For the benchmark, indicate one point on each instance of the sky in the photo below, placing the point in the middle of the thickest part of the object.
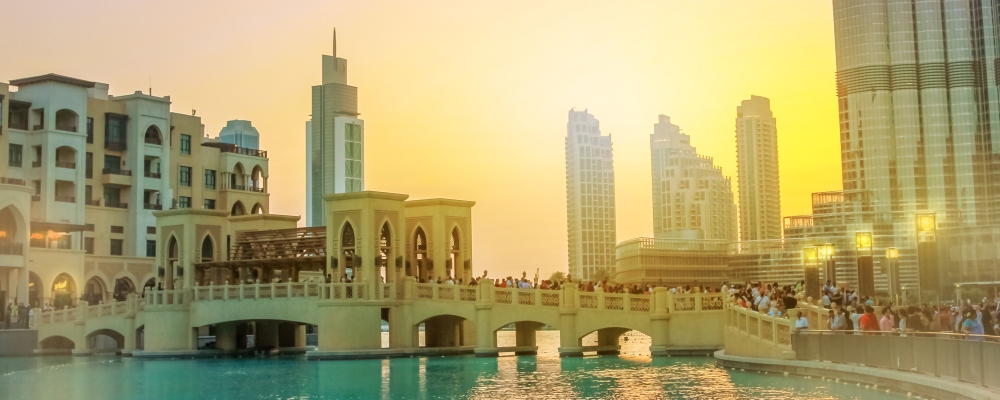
(469, 100)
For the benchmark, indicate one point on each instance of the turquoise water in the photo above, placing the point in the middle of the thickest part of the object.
(634, 375)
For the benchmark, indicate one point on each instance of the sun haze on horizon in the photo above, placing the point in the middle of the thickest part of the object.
(469, 100)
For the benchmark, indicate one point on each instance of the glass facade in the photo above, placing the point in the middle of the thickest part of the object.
(757, 170)
(590, 197)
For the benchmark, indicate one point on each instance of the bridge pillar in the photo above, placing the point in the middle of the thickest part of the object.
(401, 336)
(348, 330)
(569, 342)
(265, 334)
(659, 318)
(129, 335)
(525, 332)
(607, 341)
(80, 325)
(168, 330)
(486, 339)
(225, 336)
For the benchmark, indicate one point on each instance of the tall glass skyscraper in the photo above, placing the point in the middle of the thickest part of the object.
(241, 133)
(590, 197)
(334, 139)
(757, 164)
(691, 197)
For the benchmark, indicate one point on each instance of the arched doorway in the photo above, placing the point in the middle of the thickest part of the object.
(238, 178)
(63, 292)
(123, 287)
(12, 232)
(207, 250)
(67, 120)
(36, 291)
(94, 292)
(385, 252)
(349, 258)
(238, 209)
(257, 179)
(424, 266)
(149, 285)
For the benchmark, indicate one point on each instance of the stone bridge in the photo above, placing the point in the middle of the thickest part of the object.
(349, 316)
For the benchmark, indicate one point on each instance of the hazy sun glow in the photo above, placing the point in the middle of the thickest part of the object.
(466, 99)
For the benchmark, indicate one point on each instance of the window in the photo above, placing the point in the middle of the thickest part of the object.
(115, 131)
(184, 202)
(150, 248)
(150, 230)
(112, 164)
(209, 204)
(117, 229)
(209, 179)
(185, 176)
(90, 165)
(15, 155)
(90, 130)
(88, 245)
(89, 195)
(185, 144)
(112, 196)
(116, 246)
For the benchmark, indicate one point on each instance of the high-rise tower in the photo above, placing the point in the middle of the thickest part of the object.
(590, 197)
(334, 139)
(757, 170)
(691, 197)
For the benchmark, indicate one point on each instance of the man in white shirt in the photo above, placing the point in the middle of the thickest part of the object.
(802, 323)
(449, 282)
(826, 300)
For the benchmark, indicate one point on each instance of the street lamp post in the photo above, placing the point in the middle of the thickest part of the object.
(892, 259)
(927, 262)
(826, 253)
(810, 265)
(866, 273)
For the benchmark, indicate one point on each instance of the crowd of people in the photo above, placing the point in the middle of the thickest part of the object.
(16, 316)
(847, 311)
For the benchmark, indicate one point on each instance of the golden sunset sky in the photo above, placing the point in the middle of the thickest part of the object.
(468, 99)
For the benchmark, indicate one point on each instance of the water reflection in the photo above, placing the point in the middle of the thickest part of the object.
(634, 375)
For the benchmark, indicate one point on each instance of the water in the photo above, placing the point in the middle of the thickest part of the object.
(633, 375)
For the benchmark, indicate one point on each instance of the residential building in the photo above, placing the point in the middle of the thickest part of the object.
(691, 197)
(590, 197)
(97, 167)
(673, 262)
(757, 170)
(334, 139)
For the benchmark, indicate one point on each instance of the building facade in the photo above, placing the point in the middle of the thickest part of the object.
(97, 167)
(691, 197)
(590, 197)
(335, 139)
(673, 262)
(757, 175)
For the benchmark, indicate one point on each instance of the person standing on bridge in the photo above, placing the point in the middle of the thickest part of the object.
(869, 322)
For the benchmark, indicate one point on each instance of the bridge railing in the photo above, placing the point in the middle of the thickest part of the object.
(768, 330)
(434, 291)
(85, 311)
(282, 290)
(175, 297)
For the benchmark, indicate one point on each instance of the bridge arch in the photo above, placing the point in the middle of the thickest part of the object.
(542, 319)
(447, 330)
(95, 341)
(56, 342)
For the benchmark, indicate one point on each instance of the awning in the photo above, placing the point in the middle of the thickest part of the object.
(59, 227)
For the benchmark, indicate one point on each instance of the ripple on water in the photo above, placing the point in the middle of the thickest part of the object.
(634, 375)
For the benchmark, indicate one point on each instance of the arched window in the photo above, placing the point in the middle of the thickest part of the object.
(238, 209)
(385, 250)
(67, 120)
(420, 255)
(347, 247)
(257, 209)
(66, 157)
(257, 179)
(207, 250)
(153, 135)
(238, 178)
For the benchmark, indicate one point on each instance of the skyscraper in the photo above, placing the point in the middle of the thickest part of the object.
(241, 133)
(757, 170)
(334, 139)
(691, 197)
(590, 197)
(917, 90)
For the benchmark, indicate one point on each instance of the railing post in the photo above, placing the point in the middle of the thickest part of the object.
(600, 297)
(697, 301)
(211, 290)
(273, 293)
(81, 312)
(288, 290)
(240, 288)
(256, 290)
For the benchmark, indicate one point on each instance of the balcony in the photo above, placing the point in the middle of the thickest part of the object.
(66, 164)
(238, 187)
(116, 205)
(38, 127)
(11, 181)
(154, 140)
(36, 164)
(94, 203)
(147, 206)
(117, 171)
(11, 249)
(155, 175)
(232, 148)
(116, 146)
(66, 199)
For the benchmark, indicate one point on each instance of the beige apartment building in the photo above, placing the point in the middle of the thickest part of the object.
(94, 167)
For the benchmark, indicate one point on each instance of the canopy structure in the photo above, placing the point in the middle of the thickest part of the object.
(268, 254)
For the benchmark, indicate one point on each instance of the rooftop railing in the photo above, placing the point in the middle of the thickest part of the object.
(117, 171)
